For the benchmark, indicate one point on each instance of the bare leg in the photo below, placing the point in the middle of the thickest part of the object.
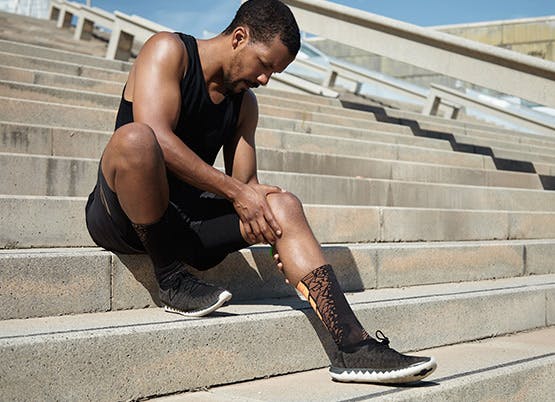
(305, 267)
(134, 168)
(299, 250)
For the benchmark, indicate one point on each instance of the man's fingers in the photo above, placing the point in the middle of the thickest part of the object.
(250, 233)
(266, 232)
(269, 216)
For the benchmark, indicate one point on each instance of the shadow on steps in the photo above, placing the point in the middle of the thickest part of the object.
(548, 182)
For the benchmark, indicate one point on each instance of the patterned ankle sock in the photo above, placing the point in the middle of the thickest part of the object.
(322, 290)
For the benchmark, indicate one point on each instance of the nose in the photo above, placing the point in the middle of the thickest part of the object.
(264, 78)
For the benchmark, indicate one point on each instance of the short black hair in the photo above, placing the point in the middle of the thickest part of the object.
(265, 20)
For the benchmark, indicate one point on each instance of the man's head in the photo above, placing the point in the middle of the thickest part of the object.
(264, 38)
(265, 20)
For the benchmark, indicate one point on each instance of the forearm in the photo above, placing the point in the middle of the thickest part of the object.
(190, 168)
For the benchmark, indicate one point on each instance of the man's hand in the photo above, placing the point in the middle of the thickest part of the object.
(254, 211)
(279, 265)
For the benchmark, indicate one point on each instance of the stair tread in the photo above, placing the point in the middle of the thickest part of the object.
(458, 365)
(131, 320)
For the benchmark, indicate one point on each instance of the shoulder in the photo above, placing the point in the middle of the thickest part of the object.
(165, 49)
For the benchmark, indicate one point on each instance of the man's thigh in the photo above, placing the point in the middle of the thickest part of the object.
(215, 228)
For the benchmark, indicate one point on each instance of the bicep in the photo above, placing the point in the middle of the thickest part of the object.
(156, 94)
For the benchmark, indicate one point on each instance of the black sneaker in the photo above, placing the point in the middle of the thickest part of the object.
(184, 294)
(374, 361)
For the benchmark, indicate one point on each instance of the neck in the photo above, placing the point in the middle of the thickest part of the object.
(211, 53)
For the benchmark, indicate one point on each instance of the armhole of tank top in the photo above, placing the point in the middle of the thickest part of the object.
(183, 37)
(123, 95)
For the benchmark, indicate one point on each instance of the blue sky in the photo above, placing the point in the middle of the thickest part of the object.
(196, 16)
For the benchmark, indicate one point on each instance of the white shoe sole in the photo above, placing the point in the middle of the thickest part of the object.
(407, 375)
(222, 298)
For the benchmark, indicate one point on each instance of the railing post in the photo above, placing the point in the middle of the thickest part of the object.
(119, 47)
(64, 18)
(432, 104)
(455, 112)
(54, 13)
(84, 29)
(358, 87)
(331, 77)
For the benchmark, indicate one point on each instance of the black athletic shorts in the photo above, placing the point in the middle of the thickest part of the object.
(207, 225)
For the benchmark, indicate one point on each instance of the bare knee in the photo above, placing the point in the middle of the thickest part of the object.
(286, 207)
(134, 145)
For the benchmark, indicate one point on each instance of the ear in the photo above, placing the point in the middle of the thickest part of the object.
(239, 37)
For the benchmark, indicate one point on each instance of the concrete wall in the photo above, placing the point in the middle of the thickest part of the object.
(533, 36)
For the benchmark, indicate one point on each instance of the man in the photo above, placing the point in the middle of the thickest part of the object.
(158, 193)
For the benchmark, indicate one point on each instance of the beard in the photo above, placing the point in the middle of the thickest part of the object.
(236, 86)
(233, 85)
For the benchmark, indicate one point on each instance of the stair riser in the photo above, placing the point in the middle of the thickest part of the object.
(523, 139)
(309, 127)
(174, 356)
(43, 283)
(59, 80)
(53, 66)
(56, 115)
(324, 126)
(58, 55)
(53, 114)
(21, 138)
(59, 222)
(76, 178)
(306, 122)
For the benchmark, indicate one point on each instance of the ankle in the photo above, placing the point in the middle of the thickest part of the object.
(165, 274)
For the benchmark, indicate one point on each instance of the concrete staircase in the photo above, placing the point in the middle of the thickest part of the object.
(435, 246)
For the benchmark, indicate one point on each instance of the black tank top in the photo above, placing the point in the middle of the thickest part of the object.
(203, 125)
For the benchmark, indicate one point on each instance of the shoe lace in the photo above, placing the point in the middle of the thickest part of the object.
(384, 340)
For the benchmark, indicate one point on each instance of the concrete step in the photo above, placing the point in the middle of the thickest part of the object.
(48, 282)
(176, 354)
(322, 100)
(42, 221)
(403, 114)
(490, 138)
(332, 156)
(291, 119)
(66, 81)
(517, 148)
(390, 135)
(309, 104)
(276, 118)
(59, 67)
(75, 177)
(282, 107)
(59, 95)
(521, 368)
(62, 55)
(302, 124)
(85, 143)
(68, 78)
(78, 117)
(515, 140)
(43, 32)
(513, 136)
